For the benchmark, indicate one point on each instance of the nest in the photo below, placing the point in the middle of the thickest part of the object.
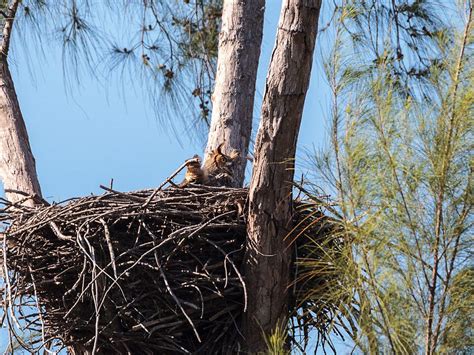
(139, 272)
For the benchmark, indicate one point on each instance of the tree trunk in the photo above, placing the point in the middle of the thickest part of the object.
(233, 98)
(270, 198)
(17, 165)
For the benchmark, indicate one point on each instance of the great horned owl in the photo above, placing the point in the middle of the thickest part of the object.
(218, 168)
(194, 173)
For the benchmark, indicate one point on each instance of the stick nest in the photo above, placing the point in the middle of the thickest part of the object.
(139, 272)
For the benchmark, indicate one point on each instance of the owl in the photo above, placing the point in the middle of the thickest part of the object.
(194, 173)
(218, 168)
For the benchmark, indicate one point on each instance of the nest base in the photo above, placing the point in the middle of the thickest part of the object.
(140, 272)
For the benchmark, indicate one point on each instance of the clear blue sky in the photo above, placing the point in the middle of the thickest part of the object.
(83, 138)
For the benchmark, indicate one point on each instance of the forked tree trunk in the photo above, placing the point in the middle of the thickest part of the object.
(17, 165)
(269, 220)
(233, 97)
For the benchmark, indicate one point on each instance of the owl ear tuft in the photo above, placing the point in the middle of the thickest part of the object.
(234, 154)
(219, 147)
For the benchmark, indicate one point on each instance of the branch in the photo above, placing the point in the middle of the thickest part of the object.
(8, 28)
(168, 180)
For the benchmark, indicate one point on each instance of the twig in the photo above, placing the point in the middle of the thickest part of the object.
(109, 245)
(169, 180)
(57, 232)
(169, 288)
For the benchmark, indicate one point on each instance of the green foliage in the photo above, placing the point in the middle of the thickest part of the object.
(399, 34)
(460, 315)
(400, 164)
(277, 341)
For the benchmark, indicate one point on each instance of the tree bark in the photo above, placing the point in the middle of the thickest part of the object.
(17, 164)
(233, 98)
(270, 196)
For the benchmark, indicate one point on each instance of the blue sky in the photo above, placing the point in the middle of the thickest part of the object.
(96, 131)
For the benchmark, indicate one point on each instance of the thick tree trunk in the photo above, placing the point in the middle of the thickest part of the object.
(270, 199)
(17, 165)
(233, 98)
